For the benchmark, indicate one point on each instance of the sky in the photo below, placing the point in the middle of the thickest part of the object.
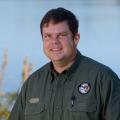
(20, 34)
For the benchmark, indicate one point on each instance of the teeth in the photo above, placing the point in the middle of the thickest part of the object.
(55, 49)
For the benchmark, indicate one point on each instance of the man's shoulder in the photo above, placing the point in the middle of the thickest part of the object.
(95, 69)
(94, 65)
(41, 72)
(45, 67)
(36, 79)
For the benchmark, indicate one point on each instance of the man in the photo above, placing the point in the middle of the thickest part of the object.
(71, 86)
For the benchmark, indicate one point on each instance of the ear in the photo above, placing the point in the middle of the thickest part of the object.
(77, 38)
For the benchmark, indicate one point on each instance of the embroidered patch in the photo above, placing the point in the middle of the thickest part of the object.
(34, 100)
(84, 88)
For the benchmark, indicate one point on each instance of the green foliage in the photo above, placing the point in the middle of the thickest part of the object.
(6, 103)
(4, 113)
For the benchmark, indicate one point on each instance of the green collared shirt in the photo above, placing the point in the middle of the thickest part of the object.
(88, 90)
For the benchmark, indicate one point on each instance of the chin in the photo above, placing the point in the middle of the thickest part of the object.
(56, 59)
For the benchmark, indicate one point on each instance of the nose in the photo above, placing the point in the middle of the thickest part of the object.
(55, 40)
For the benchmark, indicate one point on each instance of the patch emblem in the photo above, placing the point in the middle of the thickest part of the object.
(34, 100)
(84, 88)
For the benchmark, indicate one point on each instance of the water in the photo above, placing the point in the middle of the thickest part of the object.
(19, 29)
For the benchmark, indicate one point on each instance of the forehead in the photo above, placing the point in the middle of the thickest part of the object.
(56, 28)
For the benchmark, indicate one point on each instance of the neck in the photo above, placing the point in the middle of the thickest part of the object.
(61, 66)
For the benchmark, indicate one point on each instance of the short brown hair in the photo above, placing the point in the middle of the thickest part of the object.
(59, 15)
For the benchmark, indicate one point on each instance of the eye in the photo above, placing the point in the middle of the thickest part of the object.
(62, 35)
(46, 36)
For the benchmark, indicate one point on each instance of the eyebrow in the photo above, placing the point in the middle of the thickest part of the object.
(49, 33)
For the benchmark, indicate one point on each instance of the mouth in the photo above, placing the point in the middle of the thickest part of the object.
(56, 50)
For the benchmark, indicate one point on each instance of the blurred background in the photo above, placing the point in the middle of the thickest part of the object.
(21, 45)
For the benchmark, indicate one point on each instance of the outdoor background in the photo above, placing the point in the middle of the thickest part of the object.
(20, 40)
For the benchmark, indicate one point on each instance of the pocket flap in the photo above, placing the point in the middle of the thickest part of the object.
(83, 107)
(34, 109)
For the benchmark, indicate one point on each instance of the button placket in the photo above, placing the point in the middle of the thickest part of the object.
(58, 99)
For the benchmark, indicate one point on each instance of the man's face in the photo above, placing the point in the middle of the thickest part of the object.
(58, 42)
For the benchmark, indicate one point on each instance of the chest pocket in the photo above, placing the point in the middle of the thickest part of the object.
(35, 111)
(81, 111)
(82, 107)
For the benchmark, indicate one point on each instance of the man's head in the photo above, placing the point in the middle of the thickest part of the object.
(59, 28)
(59, 15)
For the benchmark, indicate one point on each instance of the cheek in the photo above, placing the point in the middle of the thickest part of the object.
(46, 51)
(45, 45)
(68, 44)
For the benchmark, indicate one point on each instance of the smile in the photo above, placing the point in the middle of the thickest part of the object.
(56, 50)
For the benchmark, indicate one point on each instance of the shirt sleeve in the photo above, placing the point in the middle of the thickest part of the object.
(17, 112)
(110, 95)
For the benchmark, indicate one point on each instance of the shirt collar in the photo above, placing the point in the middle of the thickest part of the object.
(69, 71)
(75, 65)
